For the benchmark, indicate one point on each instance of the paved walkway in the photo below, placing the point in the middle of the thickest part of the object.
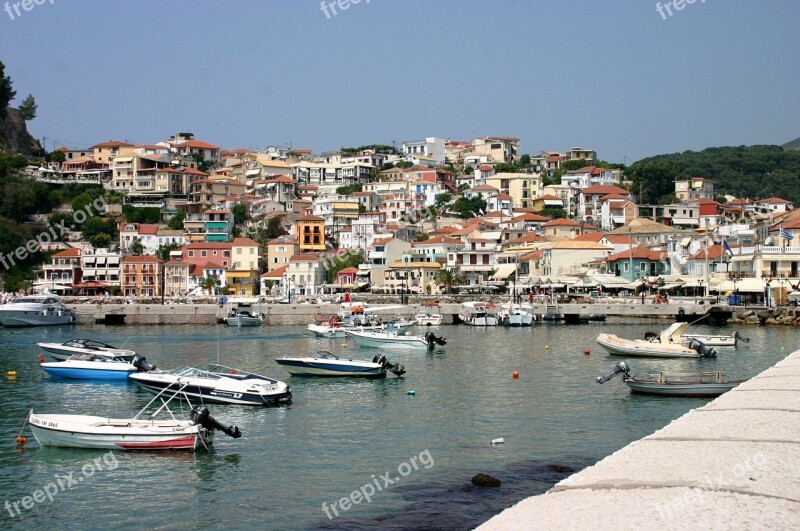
(732, 464)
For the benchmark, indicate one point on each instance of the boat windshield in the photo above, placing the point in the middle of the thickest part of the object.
(35, 300)
(196, 372)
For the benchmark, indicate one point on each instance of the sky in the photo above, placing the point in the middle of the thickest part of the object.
(615, 76)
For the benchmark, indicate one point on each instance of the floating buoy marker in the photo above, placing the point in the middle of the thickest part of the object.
(344, 345)
(21, 440)
(587, 351)
(498, 441)
(515, 374)
(12, 373)
(412, 393)
(546, 347)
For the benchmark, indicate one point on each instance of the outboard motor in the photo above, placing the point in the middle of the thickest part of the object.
(432, 340)
(140, 362)
(394, 368)
(620, 367)
(701, 349)
(201, 416)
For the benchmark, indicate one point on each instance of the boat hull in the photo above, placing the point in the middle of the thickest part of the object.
(84, 431)
(374, 340)
(680, 389)
(321, 367)
(478, 321)
(155, 383)
(27, 318)
(83, 373)
(617, 346)
(242, 321)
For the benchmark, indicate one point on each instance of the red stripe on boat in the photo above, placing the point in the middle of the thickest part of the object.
(175, 444)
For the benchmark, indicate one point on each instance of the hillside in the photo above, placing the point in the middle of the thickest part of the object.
(746, 171)
(14, 136)
(793, 145)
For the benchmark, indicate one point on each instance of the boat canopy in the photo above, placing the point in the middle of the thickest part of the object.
(673, 333)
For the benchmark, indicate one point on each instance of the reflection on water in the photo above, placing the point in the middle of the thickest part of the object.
(338, 433)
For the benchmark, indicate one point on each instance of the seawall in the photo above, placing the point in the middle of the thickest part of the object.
(731, 464)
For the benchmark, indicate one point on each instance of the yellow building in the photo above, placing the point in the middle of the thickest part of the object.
(522, 187)
(104, 152)
(310, 232)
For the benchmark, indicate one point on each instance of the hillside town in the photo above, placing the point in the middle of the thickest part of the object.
(425, 217)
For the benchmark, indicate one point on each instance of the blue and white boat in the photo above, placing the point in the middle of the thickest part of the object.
(62, 351)
(95, 367)
(326, 364)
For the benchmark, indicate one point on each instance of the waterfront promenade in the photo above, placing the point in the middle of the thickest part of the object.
(732, 464)
(291, 314)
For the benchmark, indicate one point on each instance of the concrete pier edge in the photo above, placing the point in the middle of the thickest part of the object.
(733, 463)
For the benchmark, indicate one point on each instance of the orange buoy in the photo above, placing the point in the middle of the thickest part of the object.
(515, 374)
(41, 358)
(21, 440)
(587, 351)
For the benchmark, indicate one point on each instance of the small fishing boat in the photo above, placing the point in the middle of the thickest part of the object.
(389, 338)
(716, 340)
(218, 384)
(666, 345)
(696, 384)
(242, 313)
(62, 351)
(141, 432)
(94, 367)
(354, 318)
(326, 364)
(36, 310)
(243, 318)
(515, 315)
(478, 314)
(429, 314)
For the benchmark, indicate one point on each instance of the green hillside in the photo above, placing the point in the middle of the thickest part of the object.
(793, 145)
(746, 171)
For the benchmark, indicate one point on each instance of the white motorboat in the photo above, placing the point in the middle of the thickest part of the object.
(515, 315)
(94, 367)
(716, 340)
(389, 338)
(141, 432)
(36, 310)
(243, 318)
(696, 384)
(62, 351)
(326, 364)
(354, 318)
(666, 345)
(478, 314)
(244, 313)
(429, 314)
(218, 384)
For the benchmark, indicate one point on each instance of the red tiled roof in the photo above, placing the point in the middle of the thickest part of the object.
(530, 217)
(245, 242)
(112, 143)
(444, 240)
(348, 270)
(199, 144)
(68, 252)
(605, 189)
(141, 259)
(637, 252)
(562, 222)
(310, 217)
(275, 273)
(304, 258)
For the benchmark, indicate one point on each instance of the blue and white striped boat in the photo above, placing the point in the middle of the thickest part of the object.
(94, 367)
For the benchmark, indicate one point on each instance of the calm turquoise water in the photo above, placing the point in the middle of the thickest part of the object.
(338, 434)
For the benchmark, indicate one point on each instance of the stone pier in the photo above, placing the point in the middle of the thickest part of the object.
(731, 464)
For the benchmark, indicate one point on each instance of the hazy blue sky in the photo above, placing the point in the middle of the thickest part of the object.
(614, 76)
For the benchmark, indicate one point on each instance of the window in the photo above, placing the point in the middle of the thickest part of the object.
(203, 253)
(191, 254)
(643, 266)
(625, 266)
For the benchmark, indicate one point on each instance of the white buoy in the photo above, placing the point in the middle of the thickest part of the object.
(498, 441)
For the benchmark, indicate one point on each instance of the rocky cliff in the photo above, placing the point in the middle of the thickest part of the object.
(14, 136)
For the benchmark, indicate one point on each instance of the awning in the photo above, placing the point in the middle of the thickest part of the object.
(745, 285)
(363, 273)
(586, 282)
(671, 285)
(635, 284)
(503, 272)
(686, 241)
(685, 221)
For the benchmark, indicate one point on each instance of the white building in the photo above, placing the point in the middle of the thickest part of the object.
(430, 147)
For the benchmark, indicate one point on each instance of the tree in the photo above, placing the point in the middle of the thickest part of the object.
(447, 278)
(136, 247)
(163, 250)
(7, 93)
(553, 213)
(93, 226)
(28, 108)
(101, 239)
(209, 284)
(338, 263)
(349, 189)
(404, 164)
(56, 156)
(239, 214)
(468, 208)
(176, 221)
(442, 200)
